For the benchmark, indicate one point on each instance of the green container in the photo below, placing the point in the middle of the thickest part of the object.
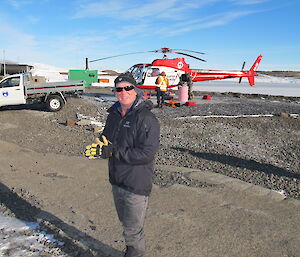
(89, 76)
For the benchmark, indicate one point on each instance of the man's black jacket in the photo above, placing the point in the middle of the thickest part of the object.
(135, 139)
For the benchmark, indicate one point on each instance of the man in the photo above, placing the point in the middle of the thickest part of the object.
(190, 86)
(162, 82)
(187, 79)
(130, 140)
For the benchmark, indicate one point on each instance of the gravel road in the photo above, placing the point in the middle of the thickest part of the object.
(261, 150)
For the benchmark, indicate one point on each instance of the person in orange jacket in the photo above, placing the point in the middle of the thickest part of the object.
(162, 83)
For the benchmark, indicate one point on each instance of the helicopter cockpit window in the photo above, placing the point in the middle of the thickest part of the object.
(130, 69)
(153, 72)
(137, 73)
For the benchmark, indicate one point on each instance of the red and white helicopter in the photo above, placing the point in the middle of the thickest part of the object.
(146, 73)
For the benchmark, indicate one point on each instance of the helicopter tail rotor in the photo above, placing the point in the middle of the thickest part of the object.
(243, 66)
(252, 72)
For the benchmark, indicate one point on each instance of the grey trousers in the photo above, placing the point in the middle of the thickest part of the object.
(131, 209)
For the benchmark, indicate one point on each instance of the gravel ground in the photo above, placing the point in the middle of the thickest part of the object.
(260, 150)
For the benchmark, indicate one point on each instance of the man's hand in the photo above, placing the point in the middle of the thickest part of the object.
(101, 149)
(106, 149)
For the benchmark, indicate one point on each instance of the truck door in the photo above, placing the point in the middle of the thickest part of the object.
(12, 91)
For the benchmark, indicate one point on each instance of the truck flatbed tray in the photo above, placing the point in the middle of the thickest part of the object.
(55, 87)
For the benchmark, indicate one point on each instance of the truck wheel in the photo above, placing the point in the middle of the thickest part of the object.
(54, 103)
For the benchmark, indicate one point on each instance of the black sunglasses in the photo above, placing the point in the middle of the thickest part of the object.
(127, 88)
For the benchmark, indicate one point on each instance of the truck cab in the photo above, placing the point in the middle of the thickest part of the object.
(12, 90)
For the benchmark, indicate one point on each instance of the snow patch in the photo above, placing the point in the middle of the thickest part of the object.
(19, 238)
(51, 73)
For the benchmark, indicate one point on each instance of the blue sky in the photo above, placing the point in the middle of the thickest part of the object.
(63, 33)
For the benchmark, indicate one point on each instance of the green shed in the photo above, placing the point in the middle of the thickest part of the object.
(89, 76)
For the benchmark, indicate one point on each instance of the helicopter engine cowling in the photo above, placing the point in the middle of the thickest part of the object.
(176, 63)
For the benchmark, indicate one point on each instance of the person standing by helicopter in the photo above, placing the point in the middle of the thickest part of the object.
(189, 80)
(162, 83)
(186, 79)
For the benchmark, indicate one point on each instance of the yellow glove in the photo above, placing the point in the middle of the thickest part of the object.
(100, 149)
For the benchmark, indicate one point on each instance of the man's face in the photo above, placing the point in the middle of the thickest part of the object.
(126, 98)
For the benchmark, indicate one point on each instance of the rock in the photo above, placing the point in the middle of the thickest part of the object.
(70, 123)
(98, 129)
(83, 122)
(284, 115)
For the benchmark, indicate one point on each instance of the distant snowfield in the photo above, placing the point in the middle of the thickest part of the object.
(266, 85)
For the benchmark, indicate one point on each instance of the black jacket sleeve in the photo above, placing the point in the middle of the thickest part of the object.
(108, 128)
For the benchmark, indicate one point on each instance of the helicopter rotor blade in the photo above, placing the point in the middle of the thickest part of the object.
(163, 50)
(113, 56)
(188, 51)
(190, 56)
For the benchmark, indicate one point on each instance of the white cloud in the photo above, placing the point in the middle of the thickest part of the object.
(73, 45)
(131, 30)
(118, 9)
(33, 19)
(99, 9)
(181, 10)
(248, 2)
(150, 10)
(18, 45)
(135, 21)
(25, 47)
(71, 50)
(19, 3)
(207, 22)
(15, 36)
(157, 15)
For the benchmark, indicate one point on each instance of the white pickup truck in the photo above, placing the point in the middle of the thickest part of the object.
(20, 89)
